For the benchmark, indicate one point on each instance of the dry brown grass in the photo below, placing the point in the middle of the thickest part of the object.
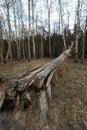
(68, 106)
(69, 97)
(16, 67)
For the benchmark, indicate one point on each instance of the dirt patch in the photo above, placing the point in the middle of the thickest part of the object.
(68, 106)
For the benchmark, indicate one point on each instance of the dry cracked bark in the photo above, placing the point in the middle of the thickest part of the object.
(15, 91)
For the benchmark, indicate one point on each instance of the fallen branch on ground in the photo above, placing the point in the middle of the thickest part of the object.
(15, 91)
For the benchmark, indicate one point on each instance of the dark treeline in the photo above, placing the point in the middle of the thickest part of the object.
(57, 46)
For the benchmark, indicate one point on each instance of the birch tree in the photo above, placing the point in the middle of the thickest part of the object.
(83, 43)
(41, 30)
(33, 39)
(78, 28)
(19, 29)
(61, 16)
(22, 28)
(15, 25)
(7, 5)
(59, 23)
(1, 39)
(49, 10)
(29, 51)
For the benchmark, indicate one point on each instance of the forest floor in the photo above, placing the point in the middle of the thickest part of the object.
(68, 106)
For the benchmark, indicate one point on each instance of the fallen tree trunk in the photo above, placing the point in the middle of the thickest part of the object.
(15, 91)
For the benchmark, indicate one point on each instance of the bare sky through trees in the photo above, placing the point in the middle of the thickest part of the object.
(69, 9)
(69, 6)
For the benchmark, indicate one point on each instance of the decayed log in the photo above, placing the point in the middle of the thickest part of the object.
(16, 90)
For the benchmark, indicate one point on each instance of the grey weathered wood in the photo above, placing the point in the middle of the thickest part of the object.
(48, 84)
(2, 98)
(38, 79)
(43, 107)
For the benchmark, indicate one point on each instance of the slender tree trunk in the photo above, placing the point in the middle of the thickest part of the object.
(1, 53)
(83, 43)
(9, 51)
(49, 8)
(29, 51)
(23, 43)
(33, 39)
(78, 27)
(41, 31)
(15, 25)
(1, 42)
(68, 19)
(64, 41)
(49, 33)
(59, 23)
(22, 30)
(19, 31)
(36, 22)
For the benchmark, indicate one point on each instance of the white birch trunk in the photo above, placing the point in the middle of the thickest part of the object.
(15, 25)
(29, 51)
(22, 29)
(41, 30)
(49, 8)
(9, 51)
(33, 39)
(83, 43)
(64, 41)
(78, 27)
(1, 41)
